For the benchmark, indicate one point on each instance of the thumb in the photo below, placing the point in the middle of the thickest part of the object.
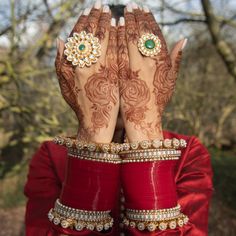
(60, 47)
(176, 54)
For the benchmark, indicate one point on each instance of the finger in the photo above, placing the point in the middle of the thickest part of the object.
(131, 26)
(176, 56)
(112, 44)
(93, 18)
(103, 31)
(141, 19)
(104, 23)
(132, 37)
(156, 29)
(80, 24)
(123, 56)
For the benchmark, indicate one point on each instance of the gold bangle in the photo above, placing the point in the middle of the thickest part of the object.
(151, 220)
(94, 156)
(71, 142)
(157, 143)
(180, 221)
(150, 155)
(77, 219)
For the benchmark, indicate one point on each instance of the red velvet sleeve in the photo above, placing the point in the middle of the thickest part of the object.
(194, 189)
(42, 188)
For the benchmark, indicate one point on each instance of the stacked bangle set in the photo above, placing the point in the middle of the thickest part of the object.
(116, 153)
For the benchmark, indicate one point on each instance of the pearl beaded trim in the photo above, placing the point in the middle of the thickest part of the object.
(77, 214)
(151, 220)
(120, 147)
(150, 155)
(94, 156)
(69, 217)
(179, 221)
(153, 215)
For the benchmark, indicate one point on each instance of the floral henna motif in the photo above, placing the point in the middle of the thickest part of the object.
(136, 96)
(165, 80)
(66, 75)
(101, 90)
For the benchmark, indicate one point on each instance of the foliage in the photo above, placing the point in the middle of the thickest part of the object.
(224, 165)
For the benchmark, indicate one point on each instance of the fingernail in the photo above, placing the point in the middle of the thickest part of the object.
(129, 8)
(134, 5)
(106, 8)
(184, 43)
(146, 9)
(113, 22)
(98, 4)
(122, 21)
(87, 11)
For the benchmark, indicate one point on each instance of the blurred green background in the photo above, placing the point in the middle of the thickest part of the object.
(32, 109)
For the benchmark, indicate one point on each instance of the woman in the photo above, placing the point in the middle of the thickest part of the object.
(157, 182)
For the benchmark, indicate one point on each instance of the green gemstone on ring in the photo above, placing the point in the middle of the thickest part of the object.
(150, 44)
(81, 47)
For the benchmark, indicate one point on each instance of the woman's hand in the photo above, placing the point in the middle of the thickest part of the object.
(146, 83)
(92, 92)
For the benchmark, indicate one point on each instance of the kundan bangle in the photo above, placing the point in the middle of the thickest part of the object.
(151, 220)
(77, 219)
(71, 142)
(157, 143)
(94, 156)
(150, 155)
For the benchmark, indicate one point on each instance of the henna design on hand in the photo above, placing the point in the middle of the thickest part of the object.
(165, 80)
(142, 21)
(134, 92)
(132, 34)
(92, 20)
(101, 90)
(66, 74)
(136, 95)
(103, 25)
(79, 26)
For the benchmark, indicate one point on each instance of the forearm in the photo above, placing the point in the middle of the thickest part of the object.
(89, 174)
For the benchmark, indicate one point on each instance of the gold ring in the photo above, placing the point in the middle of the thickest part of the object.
(82, 49)
(149, 45)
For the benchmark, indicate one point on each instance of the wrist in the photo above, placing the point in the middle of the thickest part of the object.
(138, 135)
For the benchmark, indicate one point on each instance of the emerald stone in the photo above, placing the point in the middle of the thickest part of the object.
(81, 47)
(150, 44)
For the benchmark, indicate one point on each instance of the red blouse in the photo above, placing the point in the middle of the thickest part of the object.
(193, 179)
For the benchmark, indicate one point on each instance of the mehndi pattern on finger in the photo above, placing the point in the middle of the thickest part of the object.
(82, 49)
